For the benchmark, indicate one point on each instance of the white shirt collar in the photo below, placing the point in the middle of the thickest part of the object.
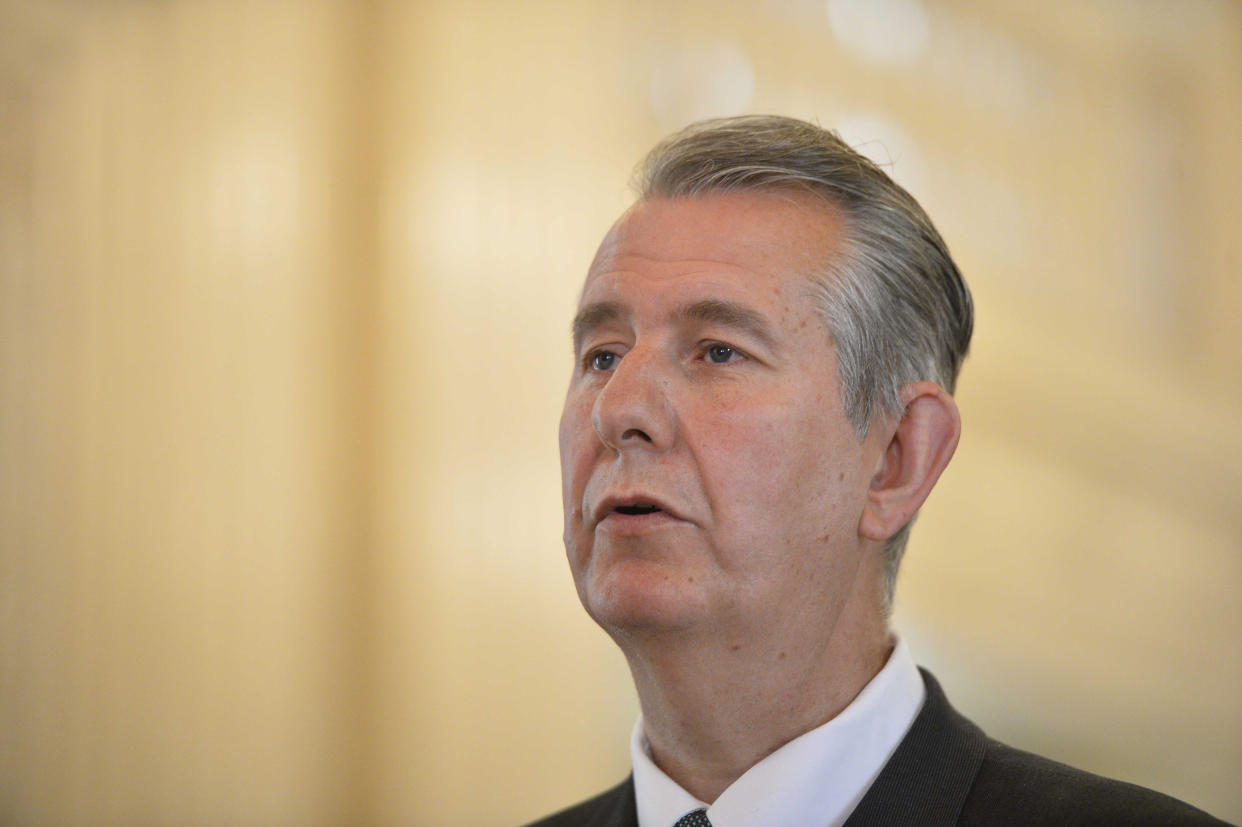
(817, 779)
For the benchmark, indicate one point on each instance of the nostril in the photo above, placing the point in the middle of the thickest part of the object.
(636, 434)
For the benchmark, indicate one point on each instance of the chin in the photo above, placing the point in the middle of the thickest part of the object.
(632, 595)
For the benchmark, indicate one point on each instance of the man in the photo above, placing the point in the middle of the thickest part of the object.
(765, 346)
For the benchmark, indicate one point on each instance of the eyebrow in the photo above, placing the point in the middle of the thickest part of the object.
(705, 311)
(729, 314)
(594, 316)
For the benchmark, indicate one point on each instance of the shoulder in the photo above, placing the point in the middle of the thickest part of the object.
(1038, 790)
(612, 808)
(947, 771)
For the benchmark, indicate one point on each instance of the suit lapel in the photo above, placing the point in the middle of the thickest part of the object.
(929, 776)
(617, 807)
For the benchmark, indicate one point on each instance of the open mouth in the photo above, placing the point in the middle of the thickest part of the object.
(633, 510)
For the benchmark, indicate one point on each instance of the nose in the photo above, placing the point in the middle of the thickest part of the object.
(634, 408)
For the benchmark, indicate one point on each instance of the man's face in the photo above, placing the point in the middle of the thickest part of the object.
(706, 387)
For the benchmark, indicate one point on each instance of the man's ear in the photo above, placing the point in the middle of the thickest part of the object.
(920, 447)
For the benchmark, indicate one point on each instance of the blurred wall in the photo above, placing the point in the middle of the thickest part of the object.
(181, 424)
(284, 295)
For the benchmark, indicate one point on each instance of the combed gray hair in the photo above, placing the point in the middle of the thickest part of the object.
(893, 300)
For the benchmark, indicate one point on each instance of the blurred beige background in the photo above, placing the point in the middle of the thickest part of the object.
(284, 295)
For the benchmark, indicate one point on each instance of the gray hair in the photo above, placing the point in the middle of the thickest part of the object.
(893, 300)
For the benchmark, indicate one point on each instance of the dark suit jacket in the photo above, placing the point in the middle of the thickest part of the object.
(947, 772)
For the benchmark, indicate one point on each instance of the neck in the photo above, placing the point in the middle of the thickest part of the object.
(715, 704)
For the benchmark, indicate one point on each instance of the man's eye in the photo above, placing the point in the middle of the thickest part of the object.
(719, 354)
(601, 360)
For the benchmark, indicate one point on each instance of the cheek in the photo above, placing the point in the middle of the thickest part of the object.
(784, 469)
(575, 436)
(579, 447)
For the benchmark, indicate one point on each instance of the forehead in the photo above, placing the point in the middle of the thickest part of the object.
(746, 239)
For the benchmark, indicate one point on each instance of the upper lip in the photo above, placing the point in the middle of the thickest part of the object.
(611, 503)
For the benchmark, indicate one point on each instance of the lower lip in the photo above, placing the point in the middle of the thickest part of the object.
(627, 524)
